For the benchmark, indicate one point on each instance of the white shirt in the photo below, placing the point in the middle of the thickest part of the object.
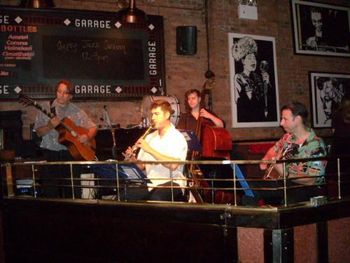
(172, 144)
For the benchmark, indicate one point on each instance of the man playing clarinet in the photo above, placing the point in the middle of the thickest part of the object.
(164, 144)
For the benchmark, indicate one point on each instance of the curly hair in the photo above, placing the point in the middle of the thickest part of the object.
(244, 46)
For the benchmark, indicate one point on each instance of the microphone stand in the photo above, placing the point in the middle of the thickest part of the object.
(110, 127)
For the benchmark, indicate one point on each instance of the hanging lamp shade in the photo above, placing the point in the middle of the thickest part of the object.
(131, 14)
(37, 4)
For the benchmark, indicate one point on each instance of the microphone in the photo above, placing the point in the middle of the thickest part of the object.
(264, 66)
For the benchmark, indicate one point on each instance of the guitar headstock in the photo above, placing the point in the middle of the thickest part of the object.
(26, 101)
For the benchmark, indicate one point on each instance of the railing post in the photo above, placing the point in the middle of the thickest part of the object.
(282, 245)
(118, 183)
(285, 185)
(234, 184)
(72, 180)
(9, 180)
(34, 181)
(339, 184)
(171, 185)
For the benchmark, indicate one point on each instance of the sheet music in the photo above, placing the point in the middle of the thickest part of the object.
(131, 173)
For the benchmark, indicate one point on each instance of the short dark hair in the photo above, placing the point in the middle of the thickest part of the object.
(190, 91)
(297, 109)
(164, 105)
(69, 85)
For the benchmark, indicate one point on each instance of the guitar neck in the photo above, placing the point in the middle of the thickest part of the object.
(28, 101)
(47, 113)
(50, 115)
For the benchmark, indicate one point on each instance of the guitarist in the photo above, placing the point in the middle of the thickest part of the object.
(62, 107)
(299, 141)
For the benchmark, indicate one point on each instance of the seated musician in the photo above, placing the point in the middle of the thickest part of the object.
(195, 119)
(164, 144)
(298, 142)
(189, 120)
(61, 107)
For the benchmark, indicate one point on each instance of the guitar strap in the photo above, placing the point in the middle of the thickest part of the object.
(52, 108)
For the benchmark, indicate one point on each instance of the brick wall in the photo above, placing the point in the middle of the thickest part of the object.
(184, 72)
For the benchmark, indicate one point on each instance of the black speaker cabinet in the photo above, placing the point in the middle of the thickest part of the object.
(186, 40)
(11, 124)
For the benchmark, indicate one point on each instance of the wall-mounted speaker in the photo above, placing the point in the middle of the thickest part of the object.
(186, 40)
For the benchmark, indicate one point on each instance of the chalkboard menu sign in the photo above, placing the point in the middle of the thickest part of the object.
(102, 57)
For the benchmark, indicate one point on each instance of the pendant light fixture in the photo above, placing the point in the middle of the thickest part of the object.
(37, 4)
(131, 14)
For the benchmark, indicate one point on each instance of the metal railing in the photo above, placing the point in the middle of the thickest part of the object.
(212, 182)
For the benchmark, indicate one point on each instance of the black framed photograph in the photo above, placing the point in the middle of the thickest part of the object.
(321, 29)
(327, 91)
(253, 81)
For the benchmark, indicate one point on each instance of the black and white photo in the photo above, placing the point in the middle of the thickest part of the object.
(327, 91)
(320, 29)
(253, 77)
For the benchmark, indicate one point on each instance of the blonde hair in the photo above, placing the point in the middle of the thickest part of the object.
(244, 46)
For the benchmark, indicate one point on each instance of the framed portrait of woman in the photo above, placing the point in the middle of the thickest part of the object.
(327, 91)
(321, 29)
(253, 81)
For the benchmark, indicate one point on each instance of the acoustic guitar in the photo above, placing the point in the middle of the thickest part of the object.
(68, 133)
(284, 154)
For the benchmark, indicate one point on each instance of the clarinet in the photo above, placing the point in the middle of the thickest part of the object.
(135, 147)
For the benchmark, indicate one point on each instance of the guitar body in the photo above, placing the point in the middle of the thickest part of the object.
(216, 142)
(216, 145)
(68, 136)
(271, 173)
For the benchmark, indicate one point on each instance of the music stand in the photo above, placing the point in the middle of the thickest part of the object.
(126, 172)
(133, 173)
(193, 142)
(129, 176)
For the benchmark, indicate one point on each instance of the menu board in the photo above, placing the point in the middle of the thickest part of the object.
(102, 57)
